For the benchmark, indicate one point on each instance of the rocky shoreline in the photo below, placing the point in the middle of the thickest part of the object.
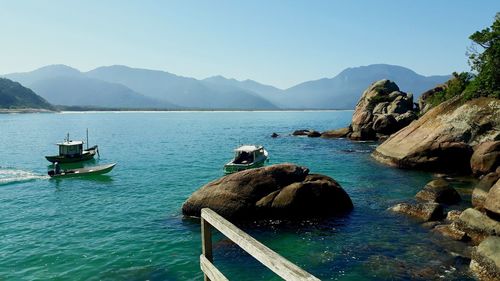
(456, 137)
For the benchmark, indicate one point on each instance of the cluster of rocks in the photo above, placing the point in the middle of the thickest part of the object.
(381, 111)
(340, 133)
(276, 191)
(429, 201)
(307, 133)
(479, 226)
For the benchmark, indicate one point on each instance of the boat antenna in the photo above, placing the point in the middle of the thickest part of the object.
(87, 138)
(67, 137)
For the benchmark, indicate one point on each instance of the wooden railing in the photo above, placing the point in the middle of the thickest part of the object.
(278, 264)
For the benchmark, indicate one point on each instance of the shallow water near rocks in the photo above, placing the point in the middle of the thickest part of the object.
(127, 225)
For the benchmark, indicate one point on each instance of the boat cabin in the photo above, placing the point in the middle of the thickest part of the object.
(247, 154)
(70, 148)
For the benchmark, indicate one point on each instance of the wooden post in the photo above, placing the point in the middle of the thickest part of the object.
(206, 242)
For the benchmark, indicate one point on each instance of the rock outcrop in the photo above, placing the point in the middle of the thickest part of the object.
(477, 225)
(339, 133)
(283, 191)
(485, 262)
(439, 191)
(308, 133)
(451, 231)
(382, 110)
(422, 211)
(442, 139)
(486, 157)
(424, 104)
(482, 188)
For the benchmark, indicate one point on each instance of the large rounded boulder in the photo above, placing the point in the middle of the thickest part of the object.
(277, 191)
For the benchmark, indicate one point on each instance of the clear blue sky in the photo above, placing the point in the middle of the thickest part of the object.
(276, 42)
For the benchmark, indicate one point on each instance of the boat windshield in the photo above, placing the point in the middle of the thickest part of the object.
(243, 157)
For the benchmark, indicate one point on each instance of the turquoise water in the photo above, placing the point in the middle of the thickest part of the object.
(128, 225)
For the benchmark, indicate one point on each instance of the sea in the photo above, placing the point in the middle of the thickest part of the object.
(128, 225)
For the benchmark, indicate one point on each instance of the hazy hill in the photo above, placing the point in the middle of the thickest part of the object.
(14, 95)
(63, 85)
(46, 72)
(122, 86)
(82, 91)
(183, 91)
(344, 90)
(263, 90)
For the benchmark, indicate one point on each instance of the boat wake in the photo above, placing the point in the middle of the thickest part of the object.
(9, 176)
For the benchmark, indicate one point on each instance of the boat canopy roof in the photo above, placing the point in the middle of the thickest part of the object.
(70, 143)
(248, 148)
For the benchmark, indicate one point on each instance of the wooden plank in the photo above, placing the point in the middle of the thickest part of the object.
(206, 243)
(278, 264)
(210, 270)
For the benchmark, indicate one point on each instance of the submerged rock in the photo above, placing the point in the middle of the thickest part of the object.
(314, 134)
(439, 191)
(274, 135)
(306, 132)
(485, 263)
(486, 157)
(422, 211)
(339, 133)
(300, 132)
(451, 231)
(283, 190)
(442, 139)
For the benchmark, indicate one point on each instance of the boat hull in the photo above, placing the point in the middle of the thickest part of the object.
(96, 170)
(230, 168)
(87, 155)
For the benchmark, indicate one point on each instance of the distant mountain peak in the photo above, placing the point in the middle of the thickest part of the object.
(58, 68)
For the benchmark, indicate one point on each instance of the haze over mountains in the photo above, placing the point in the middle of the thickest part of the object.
(122, 86)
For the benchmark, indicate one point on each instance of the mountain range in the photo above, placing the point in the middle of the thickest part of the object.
(126, 87)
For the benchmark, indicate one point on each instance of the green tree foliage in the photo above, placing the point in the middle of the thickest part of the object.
(453, 87)
(486, 63)
(14, 95)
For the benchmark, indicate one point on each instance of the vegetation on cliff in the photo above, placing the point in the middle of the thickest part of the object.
(14, 96)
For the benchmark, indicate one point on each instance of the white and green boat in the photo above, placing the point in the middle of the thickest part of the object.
(88, 171)
(246, 157)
